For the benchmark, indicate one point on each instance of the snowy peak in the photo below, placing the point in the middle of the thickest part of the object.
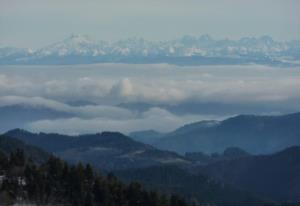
(247, 50)
(12, 51)
(73, 45)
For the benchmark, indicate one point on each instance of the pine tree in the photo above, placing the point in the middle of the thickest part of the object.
(55, 183)
(17, 158)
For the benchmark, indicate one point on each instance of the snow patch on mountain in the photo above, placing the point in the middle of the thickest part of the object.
(260, 48)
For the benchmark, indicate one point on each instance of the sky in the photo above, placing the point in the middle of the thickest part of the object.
(36, 23)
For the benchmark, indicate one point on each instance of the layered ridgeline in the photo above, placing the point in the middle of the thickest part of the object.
(10, 145)
(198, 187)
(254, 134)
(248, 180)
(233, 178)
(54, 182)
(276, 176)
(107, 150)
(187, 50)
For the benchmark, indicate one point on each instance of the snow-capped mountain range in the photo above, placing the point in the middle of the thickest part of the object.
(186, 50)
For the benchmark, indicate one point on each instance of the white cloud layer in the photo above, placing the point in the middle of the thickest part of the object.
(96, 118)
(108, 85)
(155, 118)
(88, 111)
(113, 84)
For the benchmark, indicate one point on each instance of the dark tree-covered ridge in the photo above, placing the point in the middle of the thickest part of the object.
(57, 183)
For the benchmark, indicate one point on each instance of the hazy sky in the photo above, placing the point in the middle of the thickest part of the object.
(35, 23)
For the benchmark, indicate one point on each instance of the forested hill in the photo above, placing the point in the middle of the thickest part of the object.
(267, 179)
(201, 188)
(9, 144)
(241, 179)
(106, 150)
(276, 176)
(57, 183)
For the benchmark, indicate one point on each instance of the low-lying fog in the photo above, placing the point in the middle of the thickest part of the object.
(125, 98)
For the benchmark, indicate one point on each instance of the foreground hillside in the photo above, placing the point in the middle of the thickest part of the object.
(198, 187)
(57, 183)
(254, 134)
(248, 180)
(233, 178)
(276, 176)
(8, 145)
(108, 150)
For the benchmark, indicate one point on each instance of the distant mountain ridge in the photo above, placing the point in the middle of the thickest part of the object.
(106, 150)
(188, 50)
(254, 134)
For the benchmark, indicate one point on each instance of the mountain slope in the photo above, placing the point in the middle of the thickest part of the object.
(276, 176)
(228, 154)
(8, 145)
(55, 182)
(248, 180)
(172, 179)
(255, 134)
(108, 150)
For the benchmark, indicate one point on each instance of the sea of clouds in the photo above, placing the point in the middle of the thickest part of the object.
(104, 87)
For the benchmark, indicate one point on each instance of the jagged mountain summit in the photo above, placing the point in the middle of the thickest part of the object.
(188, 50)
(74, 45)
